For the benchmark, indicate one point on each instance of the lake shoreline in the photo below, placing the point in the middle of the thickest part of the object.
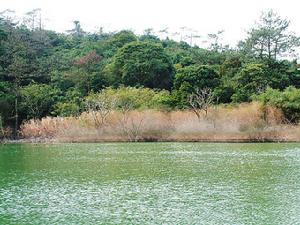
(50, 140)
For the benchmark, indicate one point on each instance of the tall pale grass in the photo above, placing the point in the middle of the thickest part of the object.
(244, 122)
(46, 127)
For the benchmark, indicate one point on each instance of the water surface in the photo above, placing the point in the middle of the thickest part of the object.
(150, 183)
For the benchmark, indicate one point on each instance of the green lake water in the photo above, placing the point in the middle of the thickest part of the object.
(150, 183)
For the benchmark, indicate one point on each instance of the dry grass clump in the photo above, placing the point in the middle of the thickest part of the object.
(242, 118)
(245, 122)
(146, 125)
(130, 126)
(47, 127)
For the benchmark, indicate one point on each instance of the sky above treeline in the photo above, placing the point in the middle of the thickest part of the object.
(199, 17)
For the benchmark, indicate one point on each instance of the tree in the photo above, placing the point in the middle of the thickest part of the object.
(86, 72)
(77, 32)
(200, 100)
(16, 71)
(250, 80)
(7, 99)
(214, 40)
(3, 37)
(149, 35)
(71, 104)
(197, 76)
(37, 100)
(117, 41)
(190, 78)
(33, 19)
(100, 106)
(270, 38)
(142, 64)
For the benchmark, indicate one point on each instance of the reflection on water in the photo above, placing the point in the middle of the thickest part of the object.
(152, 183)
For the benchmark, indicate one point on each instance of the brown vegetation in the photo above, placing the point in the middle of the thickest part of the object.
(245, 122)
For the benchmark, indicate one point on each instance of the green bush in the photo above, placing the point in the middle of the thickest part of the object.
(287, 100)
(37, 100)
(71, 104)
(127, 98)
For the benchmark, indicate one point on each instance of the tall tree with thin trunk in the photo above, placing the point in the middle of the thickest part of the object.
(271, 38)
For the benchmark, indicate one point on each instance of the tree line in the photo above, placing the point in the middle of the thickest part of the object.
(44, 73)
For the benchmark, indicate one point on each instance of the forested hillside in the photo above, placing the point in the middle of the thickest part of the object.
(45, 73)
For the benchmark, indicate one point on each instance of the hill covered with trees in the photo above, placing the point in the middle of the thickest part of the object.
(45, 73)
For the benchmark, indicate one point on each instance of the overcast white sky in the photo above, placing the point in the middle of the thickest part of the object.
(205, 16)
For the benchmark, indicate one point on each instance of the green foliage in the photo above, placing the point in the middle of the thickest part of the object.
(293, 72)
(110, 46)
(180, 95)
(127, 98)
(7, 99)
(251, 79)
(37, 100)
(142, 64)
(121, 38)
(287, 100)
(71, 104)
(270, 38)
(224, 92)
(3, 36)
(199, 76)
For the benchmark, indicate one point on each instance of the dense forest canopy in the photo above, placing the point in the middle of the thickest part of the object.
(47, 73)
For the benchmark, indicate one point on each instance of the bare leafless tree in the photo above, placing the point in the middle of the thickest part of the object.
(132, 124)
(200, 101)
(100, 105)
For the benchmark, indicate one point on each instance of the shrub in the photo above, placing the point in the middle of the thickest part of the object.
(287, 100)
(37, 100)
(129, 98)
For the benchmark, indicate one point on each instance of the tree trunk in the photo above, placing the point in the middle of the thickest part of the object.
(16, 134)
(1, 126)
(269, 49)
